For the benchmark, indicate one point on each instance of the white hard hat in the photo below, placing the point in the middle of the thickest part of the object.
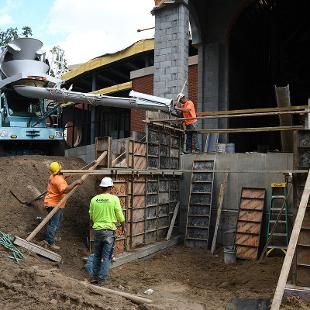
(106, 182)
(180, 96)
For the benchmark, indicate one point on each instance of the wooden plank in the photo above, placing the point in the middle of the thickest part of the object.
(37, 249)
(219, 211)
(249, 129)
(175, 213)
(277, 299)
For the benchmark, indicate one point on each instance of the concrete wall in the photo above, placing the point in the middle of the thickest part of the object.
(86, 153)
(235, 162)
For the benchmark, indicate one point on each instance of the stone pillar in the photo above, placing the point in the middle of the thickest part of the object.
(171, 49)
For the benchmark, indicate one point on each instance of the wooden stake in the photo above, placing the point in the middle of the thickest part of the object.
(219, 211)
(278, 295)
(175, 213)
(63, 200)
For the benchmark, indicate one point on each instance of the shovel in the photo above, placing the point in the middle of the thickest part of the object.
(38, 249)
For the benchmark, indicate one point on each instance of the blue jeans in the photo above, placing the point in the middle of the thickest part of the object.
(190, 136)
(53, 224)
(103, 245)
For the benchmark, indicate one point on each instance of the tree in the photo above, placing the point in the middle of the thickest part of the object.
(58, 62)
(11, 34)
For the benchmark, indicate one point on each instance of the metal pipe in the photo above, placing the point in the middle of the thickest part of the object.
(140, 101)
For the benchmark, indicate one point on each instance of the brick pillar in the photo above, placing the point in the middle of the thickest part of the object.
(171, 49)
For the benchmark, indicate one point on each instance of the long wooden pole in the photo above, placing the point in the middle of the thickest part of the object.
(249, 129)
(63, 200)
(219, 211)
(278, 295)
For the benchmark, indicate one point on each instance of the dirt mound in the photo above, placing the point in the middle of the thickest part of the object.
(34, 287)
(18, 173)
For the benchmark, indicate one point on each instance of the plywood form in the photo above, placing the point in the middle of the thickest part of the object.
(249, 222)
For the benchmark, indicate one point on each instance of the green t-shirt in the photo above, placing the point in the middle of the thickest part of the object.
(104, 211)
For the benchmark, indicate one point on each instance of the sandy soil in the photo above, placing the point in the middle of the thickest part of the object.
(181, 278)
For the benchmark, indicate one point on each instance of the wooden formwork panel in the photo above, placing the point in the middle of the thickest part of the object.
(245, 252)
(137, 155)
(252, 204)
(303, 276)
(138, 201)
(163, 147)
(304, 238)
(120, 189)
(250, 216)
(119, 246)
(246, 239)
(249, 222)
(137, 240)
(137, 228)
(137, 215)
(150, 236)
(137, 162)
(138, 187)
(251, 228)
(163, 210)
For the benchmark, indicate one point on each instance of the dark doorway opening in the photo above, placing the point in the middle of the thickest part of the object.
(269, 45)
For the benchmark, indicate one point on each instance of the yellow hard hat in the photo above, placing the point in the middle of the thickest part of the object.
(55, 167)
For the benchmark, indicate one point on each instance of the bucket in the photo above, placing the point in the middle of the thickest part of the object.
(221, 148)
(229, 256)
(230, 148)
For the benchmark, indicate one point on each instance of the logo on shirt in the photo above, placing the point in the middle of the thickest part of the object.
(100, 200)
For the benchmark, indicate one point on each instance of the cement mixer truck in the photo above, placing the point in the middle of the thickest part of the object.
(31, 100)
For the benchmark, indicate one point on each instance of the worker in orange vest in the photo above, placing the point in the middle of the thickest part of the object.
(56, 190)
(188, 111)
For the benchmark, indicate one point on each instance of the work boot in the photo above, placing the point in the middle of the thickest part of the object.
(54, 246)
(93, 281)
(101, 282)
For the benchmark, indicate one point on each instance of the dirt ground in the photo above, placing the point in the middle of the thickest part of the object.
(181, 278)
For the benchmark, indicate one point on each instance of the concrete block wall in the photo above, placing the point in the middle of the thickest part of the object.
(171, 49)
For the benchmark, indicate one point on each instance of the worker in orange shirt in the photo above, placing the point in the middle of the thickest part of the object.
(56, 190)
(188, 111)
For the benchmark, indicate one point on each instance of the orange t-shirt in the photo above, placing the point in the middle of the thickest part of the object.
(55, 191)
(191, 113)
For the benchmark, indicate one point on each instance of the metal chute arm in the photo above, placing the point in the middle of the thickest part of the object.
(139, 101)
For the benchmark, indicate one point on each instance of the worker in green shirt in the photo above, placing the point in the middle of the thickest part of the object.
(104, 211)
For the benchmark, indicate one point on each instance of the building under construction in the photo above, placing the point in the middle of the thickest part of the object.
(227, 228)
